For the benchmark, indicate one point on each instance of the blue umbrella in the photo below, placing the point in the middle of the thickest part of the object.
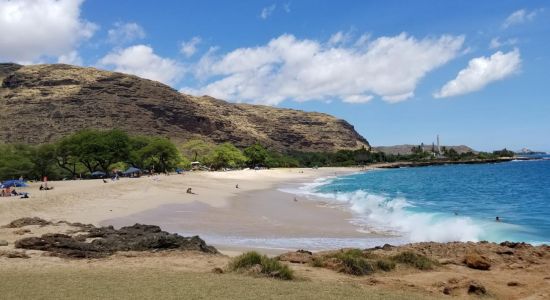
(131, 170)
(13, 183)
(98, 173)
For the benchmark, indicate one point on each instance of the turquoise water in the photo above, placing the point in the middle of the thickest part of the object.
(448, 203)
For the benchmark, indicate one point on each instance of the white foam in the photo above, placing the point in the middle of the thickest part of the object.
(375, 213)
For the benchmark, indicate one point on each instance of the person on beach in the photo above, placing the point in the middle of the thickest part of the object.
(497, 219)
(189, 191)
(237, 186)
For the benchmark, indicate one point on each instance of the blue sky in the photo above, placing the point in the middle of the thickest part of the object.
(474, 72)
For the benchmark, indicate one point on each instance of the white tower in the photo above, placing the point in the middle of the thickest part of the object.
(438, 148)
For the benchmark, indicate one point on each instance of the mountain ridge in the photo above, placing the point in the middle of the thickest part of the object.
(42, 103)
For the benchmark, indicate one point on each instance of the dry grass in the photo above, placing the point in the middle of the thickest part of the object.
(67, 283)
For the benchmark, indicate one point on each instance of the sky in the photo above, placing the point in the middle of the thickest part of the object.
(474, 72)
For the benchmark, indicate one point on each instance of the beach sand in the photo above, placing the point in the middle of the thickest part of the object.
(256, 209)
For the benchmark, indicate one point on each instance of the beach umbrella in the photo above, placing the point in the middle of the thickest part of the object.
(98, 174)
(13, 183)
(131, 170)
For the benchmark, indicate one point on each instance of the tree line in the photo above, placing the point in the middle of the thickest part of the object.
(88, 151)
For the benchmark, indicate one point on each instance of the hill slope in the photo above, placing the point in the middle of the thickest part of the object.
(42, 103)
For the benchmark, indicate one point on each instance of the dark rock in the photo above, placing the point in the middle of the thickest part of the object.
(108, 240)
(217, 270)
(476, 288)
(514, 283)
(27, 221)
(515, 244)
(3, 243)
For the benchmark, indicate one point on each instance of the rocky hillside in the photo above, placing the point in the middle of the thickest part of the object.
(42, 103)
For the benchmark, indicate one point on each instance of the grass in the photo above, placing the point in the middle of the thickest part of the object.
(268, 266)
(414, 260)
(103, 283)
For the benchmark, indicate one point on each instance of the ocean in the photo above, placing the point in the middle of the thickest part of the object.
(446, 203)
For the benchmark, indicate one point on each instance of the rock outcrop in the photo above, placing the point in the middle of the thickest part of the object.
(42, 103)
(100, 242)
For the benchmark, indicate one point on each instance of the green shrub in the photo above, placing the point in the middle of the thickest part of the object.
(317, 262)
(385, 265)
(356, 265)
(245, 261)
(269, 267)
(415, 260)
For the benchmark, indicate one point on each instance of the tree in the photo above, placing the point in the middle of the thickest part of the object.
(43, 158)
(15, 161)
(256, 155)
(197, 150)
(226, 155)
(161, 154)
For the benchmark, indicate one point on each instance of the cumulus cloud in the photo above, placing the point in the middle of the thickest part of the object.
(141, 60)
(189, 48)
(123, 33)
(267, 11)
(480, 72)
(34, 29)
(288, 68)
(497, 42)
(71, 58)
(518, 17)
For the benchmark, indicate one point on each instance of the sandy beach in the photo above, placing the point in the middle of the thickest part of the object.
(255, 209)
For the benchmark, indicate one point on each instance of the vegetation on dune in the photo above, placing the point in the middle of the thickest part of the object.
(412, 259)
(363, 262)
(255, 263)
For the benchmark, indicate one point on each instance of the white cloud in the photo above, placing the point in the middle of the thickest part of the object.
(123, 33)
(190, 47)
(480, 72)
(141, 60)
(339, 38)
(71, 58)
(34, 29)
(288, 68)
(519, 16)
(357, 98)
(267, 11)
(497, 42)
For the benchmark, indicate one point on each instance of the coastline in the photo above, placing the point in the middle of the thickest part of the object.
(517, 270)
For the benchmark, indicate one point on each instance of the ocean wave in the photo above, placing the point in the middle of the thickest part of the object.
(397, 216)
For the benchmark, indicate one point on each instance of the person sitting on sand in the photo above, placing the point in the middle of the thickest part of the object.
(14, 193)
(25, 196)
(189, 191)
(237, 186)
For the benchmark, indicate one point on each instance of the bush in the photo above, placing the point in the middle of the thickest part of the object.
(415, 260)
(356, 266)
(269, 266)
(354, 262)
(385, 265)
(317, 262)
